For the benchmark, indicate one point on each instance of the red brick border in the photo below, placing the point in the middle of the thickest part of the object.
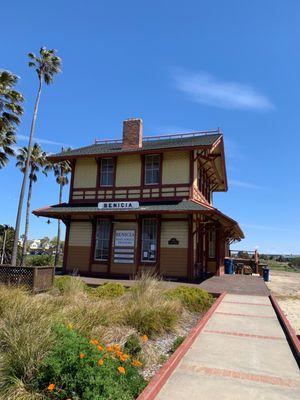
(248, 304)
(247, 335)
(292, 338)
(228, 373)
(244, 315)
(158, 381)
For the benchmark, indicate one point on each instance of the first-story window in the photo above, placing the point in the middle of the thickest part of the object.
(107, 171)
(102, 240)
(212, 243)
(149, 240)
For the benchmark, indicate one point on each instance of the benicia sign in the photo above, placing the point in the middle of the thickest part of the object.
(118, 205)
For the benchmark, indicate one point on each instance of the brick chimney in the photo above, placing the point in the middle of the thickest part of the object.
(132, 133)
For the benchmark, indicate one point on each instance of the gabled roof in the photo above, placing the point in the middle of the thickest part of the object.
(189, 140)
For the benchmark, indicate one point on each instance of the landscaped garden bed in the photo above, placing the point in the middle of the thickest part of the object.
(75, 342)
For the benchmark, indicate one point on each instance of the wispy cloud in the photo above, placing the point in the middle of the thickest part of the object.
(242, 184)
(24, 138)
(205, 88)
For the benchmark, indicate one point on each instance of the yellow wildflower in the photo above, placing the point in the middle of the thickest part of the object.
(70, 327)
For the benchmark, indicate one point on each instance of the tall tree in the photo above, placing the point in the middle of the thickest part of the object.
(38, 162)
(10, 112)
(61, 171)
(46, 65)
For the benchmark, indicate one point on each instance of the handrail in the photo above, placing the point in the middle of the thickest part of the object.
(162, 137)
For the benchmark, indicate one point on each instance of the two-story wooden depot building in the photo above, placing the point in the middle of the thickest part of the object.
(146, 204)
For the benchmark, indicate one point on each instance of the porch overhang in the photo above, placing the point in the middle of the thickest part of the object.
(66, 211)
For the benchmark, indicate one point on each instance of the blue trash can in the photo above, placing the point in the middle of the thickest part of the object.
(228, 263)
(266, 274)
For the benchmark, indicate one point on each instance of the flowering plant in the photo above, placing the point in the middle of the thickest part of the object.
(77, 368)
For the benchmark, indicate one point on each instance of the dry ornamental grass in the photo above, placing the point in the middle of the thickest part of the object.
(27, 325)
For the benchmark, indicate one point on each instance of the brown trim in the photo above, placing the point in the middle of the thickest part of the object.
(66, 246)
(143, 171)
(140, 262)
(73, 165)
(158, 381)
(191, 173)
(93, 244)
(110, 252)
(190, 257)
(98, 185)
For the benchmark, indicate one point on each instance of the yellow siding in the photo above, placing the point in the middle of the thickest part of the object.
(128, 172)
(175, 167)
(80, 234)
(85, 173)
(174, 229)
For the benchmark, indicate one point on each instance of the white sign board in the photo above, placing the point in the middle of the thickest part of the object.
(124, 238)
(118, 205)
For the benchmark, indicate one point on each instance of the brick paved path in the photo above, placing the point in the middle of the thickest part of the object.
(242, 353)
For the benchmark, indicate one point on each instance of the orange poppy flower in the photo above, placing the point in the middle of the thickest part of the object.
(144, 338)
(95, 342)
(117, 347)
(121, 370)
(109, 348)
(81, 355)
(100, 362)
(137, 363)
(100, 348)
(51, 387)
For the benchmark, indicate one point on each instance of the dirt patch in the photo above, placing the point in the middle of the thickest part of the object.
(286, 288)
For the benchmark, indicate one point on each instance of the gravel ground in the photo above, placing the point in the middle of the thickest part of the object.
(162, 344)
(286, 288)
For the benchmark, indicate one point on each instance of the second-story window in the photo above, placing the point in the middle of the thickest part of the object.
(107, 171)
(152, 169)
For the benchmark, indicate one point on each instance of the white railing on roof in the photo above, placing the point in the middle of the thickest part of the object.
(162, 137)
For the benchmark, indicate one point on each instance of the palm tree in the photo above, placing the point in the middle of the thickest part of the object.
(7, 141)
(10, 112)
(37, 161)
(61, 171)
(46, 65)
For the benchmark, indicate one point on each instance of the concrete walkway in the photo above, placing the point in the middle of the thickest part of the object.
(242, 353)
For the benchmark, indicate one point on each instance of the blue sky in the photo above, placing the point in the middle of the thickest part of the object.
(180, 66)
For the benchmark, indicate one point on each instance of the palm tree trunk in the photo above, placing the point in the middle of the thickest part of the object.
(57, 250)
(13, 260)
(23, 259)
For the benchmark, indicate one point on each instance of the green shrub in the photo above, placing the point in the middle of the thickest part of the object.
(109, 290)
(177, 342)
(39, 260)
(67, 284)
(193, 298)
(72, 370)
(133, 346)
